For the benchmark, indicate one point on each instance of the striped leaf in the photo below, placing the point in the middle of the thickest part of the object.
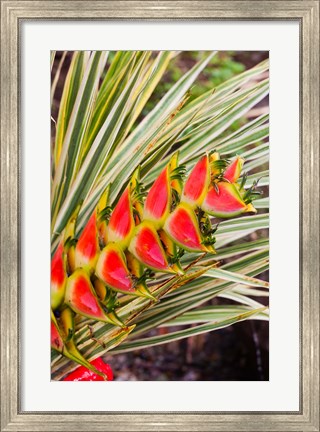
(182, 334)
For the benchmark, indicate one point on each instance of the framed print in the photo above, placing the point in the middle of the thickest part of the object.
(135, 182)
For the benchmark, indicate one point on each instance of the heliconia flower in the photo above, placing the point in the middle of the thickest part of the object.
(84, 374)
(58, 277)
(146, 247)
(112, 269)
(197, 183)
(182, 227)
(81, 297)
(158, 201)
(121, 223)
(223, 200)
(233, 171)
(87, 249)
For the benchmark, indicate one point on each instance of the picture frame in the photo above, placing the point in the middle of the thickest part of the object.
(12, 14)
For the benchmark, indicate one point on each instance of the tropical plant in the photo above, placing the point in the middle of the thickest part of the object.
(125, 182)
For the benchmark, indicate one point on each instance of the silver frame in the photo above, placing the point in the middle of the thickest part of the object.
(307, 14)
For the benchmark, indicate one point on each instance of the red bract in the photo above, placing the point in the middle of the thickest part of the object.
(146, 247)
(58, 277)
(112, 269)
(223, 200)
(84, 374)
(121, 221)
(87, 248)
(182, 227)
(157, 204)
(81, 297)
(197, 183)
